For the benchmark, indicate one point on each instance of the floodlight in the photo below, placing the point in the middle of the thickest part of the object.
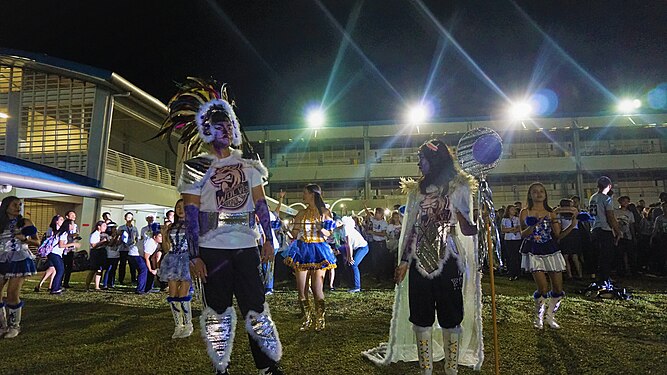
(417, 114)
(315, 118)
(627, 106)
(520, 110)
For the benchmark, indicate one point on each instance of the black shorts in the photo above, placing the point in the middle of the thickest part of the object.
(98, 258)
(442, 294)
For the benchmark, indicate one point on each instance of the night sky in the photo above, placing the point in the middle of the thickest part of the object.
(278, 56)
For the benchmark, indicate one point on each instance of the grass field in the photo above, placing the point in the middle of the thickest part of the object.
(118, 332)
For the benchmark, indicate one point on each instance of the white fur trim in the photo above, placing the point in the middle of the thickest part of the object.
(224, 230)
(458, 329)
(236, 128)
(222, 363)
(248, 326)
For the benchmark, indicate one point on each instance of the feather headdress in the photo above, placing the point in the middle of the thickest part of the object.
(194, 104)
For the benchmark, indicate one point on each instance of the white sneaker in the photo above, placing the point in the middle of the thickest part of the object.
(552, 322)
(178, 331)
(186, 331)
(12, 332)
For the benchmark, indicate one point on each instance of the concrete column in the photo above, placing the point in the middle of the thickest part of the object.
(98, 137)
(91, 212)
(13, 123)
(367, 169)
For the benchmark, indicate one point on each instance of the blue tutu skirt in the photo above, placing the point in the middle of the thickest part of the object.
(306, 256)
(20, 268)
(175, 267)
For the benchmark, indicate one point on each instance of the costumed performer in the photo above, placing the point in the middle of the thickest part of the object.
(222, 192)
(311, 256)
(437, 245)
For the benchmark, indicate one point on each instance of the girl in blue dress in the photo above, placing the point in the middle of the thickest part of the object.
(16, 263)
(175, 270)
(540, 230)
(310, 256)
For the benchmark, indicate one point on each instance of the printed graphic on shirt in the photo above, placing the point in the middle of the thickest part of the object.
(233, 190)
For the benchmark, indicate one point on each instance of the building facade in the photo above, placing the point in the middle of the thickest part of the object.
(365, 161)
(88, 126)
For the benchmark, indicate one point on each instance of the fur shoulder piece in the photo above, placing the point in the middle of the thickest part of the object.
(466, 180)
(256, 164)
(408, 185)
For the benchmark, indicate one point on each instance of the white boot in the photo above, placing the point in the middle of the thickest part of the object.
(424, 349)
(554, 304)
(3, 319)
(13, 320)
(176, 311)
(539, 310)
(187, 317)
(450, 341)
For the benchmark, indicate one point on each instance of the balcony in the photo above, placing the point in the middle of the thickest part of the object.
(126, 164)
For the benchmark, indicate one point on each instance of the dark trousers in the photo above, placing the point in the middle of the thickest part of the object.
(603, 242)
(57, 262)
(383, 264)
(236, 273)
(68, 263)
(442, 294)
(110, 267)
(144, 277)
(124, 258)
(513, 257)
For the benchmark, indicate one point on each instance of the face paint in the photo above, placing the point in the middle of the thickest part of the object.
(423, 164)
(221, 133)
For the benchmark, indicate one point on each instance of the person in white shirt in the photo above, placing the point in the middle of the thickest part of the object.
(145, 232)
(56, 255)
(145, 266)
(382, 261)
(68, 254)
(357, 248)
(604, 230)
(56, 222)
(98, 254)
(511, 228)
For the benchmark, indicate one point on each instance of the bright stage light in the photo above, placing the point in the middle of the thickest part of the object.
(627, 106)
(417, 114)
(387, 212)
(4, 115)
(315, 118)
(520, 110)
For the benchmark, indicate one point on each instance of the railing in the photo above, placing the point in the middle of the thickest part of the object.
(123, 163)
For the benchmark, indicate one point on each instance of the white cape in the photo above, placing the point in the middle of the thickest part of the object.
(402, 345)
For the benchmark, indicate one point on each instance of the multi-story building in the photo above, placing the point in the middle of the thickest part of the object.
(82, 134)
(567, 154)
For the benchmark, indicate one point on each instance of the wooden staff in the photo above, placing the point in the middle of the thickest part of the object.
(496, 350)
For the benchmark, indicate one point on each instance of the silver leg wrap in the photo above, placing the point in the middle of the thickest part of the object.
(218, 332)
(261, 328)
(450, 340)
(424, 349)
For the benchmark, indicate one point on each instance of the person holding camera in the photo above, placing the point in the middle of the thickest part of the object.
(570, 244)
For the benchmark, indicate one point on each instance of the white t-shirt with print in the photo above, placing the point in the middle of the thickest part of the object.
(511, 222)
(94, 238)
(57, 249)
(227, 187)
(378, 226)
(625, 219)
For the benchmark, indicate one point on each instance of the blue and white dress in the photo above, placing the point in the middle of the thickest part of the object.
(175, 265)
(539, 250)
(310, 251)
(16, 259)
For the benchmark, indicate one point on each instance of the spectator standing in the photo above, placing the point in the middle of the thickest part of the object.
(147, 273)
(570, 244)
(511, 228)
(56, 255)
(113, 257)
(378, 245)
(128, 238)
(659, 239)
(98, 254)
(356, 247)
(145, 232)
(625, 246)
(604, 230)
